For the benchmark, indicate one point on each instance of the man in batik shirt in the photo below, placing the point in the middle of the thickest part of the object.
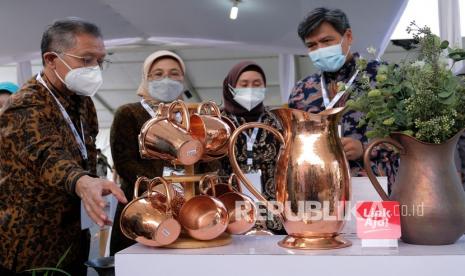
(48, 155)
(328, 37)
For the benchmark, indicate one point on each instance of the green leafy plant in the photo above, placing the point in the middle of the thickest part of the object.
(46, 270)
(420, 97)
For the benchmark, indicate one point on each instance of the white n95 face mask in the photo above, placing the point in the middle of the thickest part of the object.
(165, 90)
(249, 98)
(84, 81)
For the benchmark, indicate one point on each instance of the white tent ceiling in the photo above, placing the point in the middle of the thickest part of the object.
(263, 29)
(264, 25)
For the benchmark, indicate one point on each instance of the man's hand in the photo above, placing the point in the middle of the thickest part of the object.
(91, 190)
(352, 147)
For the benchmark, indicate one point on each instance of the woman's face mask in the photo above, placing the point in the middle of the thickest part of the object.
(248, 97)
(329, 59)
(84, 81)
(165, 90)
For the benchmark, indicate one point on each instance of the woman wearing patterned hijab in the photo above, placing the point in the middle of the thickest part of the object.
(244, 90)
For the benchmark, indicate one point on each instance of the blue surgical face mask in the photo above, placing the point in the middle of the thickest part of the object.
(329, 59)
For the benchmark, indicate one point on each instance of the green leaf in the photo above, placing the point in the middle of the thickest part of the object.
(372, 134)
(444, 44)
(374, 93)
(49, 269)
(389, 121)
(408, 132)
(62, 258)
(449, 101)
(445, 94)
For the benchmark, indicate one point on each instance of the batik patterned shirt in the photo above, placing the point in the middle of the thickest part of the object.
(40, 163)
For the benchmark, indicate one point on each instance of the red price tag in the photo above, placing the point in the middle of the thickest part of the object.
(378, 220)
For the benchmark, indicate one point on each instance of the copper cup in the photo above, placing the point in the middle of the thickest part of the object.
(219, 188)
(164, 138)
(144, 221)
(204, 217)
(176, 193)
(241, 209)
(212, 128)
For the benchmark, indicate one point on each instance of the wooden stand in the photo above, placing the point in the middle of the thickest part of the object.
(187, 181)
(186, 242)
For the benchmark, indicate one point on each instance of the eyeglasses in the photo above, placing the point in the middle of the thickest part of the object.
(92, 61)
(159, 75)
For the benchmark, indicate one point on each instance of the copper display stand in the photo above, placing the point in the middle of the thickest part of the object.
(184, 241)
(188, 181)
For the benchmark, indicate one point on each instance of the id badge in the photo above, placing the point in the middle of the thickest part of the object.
(168, 171)
(110, 209)
(86, 222)
(256, 178)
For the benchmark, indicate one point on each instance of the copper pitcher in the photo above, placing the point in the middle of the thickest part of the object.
(164, 138)
(428, 189)
(145, 221)
(311, 175)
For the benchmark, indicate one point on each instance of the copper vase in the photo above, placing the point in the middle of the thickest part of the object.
(428, 188)
(311, 175)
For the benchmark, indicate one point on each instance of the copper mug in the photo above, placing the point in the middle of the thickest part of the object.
(220, 187)
(311, 171)
(241, 209)
(177, 197)
(214, 131)
(162, 109)
(145, 221)
(204, 217)
(164, 138)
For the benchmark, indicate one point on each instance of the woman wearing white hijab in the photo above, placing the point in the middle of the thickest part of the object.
(162, 81)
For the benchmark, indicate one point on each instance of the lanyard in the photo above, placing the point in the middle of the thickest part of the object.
(250, 140)
(79, 140)
(338, 96)
(153, 114)
(146, 106)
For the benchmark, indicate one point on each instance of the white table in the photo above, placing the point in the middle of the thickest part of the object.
(260, 255)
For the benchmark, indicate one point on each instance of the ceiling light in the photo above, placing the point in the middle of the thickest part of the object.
(234, 10)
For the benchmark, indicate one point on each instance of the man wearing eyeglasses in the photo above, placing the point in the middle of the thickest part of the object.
(48, 155)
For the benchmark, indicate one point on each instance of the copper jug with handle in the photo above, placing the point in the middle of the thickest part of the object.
(427, 187)
(311, 176)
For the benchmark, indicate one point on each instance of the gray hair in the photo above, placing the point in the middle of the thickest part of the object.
(60, 35)
(316, 17)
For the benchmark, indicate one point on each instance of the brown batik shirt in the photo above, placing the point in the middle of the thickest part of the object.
(40, 163)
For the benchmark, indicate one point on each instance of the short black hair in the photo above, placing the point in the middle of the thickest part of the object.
(60, 35)
(316, 17)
